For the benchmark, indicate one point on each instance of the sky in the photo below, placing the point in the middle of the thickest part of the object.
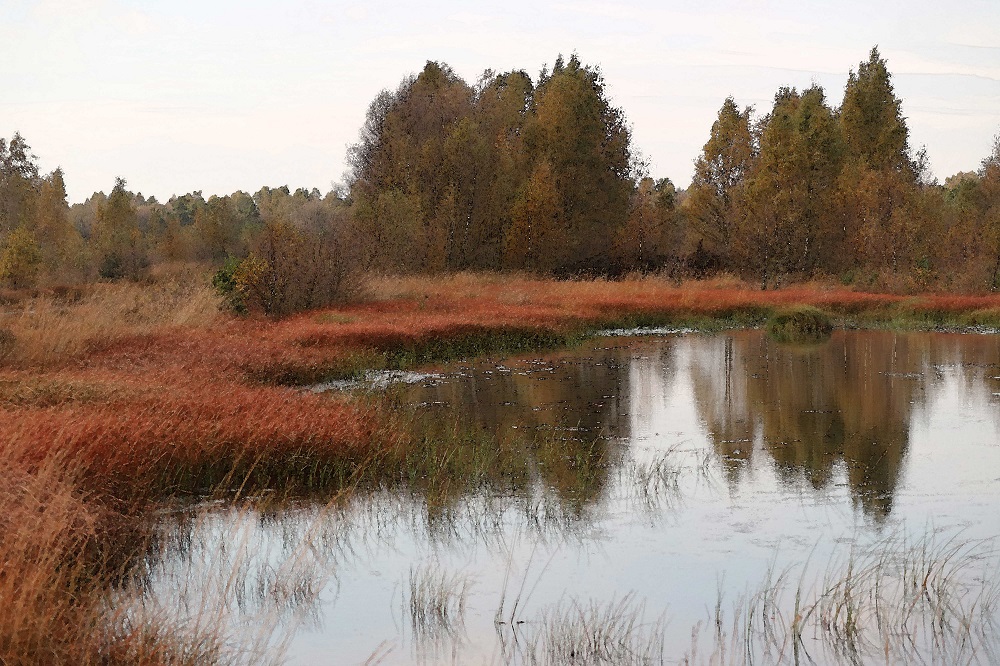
(218, 96)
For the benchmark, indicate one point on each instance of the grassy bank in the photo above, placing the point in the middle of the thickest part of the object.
(116, 398)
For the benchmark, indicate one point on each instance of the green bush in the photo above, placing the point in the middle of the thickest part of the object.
(800, 323)
(225, 284)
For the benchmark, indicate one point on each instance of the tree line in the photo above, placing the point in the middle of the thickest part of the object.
(811, 190)
(511, 173)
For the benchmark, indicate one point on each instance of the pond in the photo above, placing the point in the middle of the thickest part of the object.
(685, 496)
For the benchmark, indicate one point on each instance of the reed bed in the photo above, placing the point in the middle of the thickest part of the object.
(62, 550)
(435, 602)
(575, 632)
(900, 601)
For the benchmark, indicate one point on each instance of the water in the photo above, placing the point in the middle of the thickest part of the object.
(722, 458)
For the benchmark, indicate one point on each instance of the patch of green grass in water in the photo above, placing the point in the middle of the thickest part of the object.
(800, 324)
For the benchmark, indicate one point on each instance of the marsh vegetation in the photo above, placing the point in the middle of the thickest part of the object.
(649, 500)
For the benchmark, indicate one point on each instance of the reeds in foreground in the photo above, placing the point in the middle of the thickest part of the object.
(435, 601)
(61, 552)
(933, 600)
(575, 632)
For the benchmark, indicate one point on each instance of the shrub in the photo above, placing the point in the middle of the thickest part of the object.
(20, 259)
(290, 270)
(799, 323)
(224, 282)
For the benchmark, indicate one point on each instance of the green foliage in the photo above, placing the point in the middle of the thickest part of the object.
(119, 244)
(800, 323)
(20, 259)
(225, 283)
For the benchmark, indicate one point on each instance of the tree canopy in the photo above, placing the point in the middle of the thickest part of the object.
(540, 174)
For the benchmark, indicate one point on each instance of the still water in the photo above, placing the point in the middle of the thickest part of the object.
(721, 461)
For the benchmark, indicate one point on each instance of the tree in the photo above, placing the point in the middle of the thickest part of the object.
(650, 232)
(880, 177)
(502, 105)
(218, 225)
(587, 144)
(989, 203)
(537, 237)
(871, 118)
(18, 183)
(724, 163)
(118, 243)
(20, 259)
(786, 225)
(404, 154)
(59, 242)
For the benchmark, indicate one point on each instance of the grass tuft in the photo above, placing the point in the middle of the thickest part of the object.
(800, 323)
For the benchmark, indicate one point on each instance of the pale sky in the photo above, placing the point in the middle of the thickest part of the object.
(218, 96)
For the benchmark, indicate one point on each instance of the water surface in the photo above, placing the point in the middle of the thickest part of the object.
(678, 469)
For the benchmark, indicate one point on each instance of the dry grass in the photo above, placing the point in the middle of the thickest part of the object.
(62, 549)
(48, 330)
(118, 396)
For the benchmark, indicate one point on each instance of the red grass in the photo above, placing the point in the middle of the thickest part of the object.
(181, 396)
(142, 412)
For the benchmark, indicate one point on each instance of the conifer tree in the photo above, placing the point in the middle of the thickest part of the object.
(119, 247)
(722, 167)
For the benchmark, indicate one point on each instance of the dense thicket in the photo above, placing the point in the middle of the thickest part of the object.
(504, 174)
(810, 190)
(511, 173)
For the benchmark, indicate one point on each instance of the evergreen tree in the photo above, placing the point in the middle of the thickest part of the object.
(871, 119)
(119, 247)
(18, 183)
(587, 144)
(60, 243)
(880, 178)
(786, 225)
(721, 168)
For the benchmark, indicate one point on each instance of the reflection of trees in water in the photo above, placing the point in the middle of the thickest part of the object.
(839, 409)
(812, 408)
(568, 404)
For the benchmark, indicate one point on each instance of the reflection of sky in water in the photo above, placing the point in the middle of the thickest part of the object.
(775, 455)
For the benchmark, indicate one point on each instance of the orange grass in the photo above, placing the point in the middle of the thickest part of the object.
(133, 393)
(160, 391)
(61, 548)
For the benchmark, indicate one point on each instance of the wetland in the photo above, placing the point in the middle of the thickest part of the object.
(670, 498)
